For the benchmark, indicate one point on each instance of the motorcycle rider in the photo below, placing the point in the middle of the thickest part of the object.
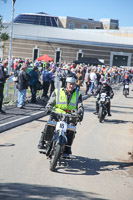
(126, 81)
(63, 100)
(104, 88)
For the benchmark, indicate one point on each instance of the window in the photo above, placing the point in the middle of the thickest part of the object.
(71, 25)
(79, 54)
(84, 26)
(35, 53)
(58, 56)
(36, 19)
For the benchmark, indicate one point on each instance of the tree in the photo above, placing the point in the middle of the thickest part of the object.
(3, 36)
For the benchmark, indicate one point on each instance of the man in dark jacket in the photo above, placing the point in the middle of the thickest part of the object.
(34, 75)
(126, 81)
(22, 85)
(3, 78)
(104, 88)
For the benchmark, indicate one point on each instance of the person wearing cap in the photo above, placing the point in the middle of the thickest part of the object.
(3, 77)
(63, 100)
(104, 88)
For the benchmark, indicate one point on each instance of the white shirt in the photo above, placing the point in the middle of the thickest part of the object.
(93, 77)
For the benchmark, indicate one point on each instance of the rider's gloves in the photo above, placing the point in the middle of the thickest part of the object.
(81, 114)
(111, 96)
(48, 108)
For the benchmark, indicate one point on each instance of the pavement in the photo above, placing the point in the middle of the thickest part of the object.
(15, 117)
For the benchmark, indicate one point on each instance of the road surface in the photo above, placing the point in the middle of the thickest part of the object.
(100, 168)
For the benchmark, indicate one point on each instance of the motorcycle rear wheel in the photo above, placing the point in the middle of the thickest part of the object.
(101, 114)
(55, 157)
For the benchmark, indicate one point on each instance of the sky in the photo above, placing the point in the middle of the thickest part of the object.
(94, 9)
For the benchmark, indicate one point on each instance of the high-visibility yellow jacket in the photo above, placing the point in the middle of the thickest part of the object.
(61, 101)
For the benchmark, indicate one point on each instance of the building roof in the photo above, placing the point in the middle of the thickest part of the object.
(37, 19)
(71, 36)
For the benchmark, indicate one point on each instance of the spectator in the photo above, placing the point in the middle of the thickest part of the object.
(93, 78)
(17, 70)
(79, 79)
(59, 72)
(46, 77)
(52, 73)
(64, 74)
(12, 63)
(22, 85)
(98, 77)
(16, 64)
(3, 78)
(87, 80)
(34, 75)
(37, 63)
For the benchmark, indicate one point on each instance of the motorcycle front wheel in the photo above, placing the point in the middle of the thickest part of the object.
(101, 114)
(55, 157)
(126, 93)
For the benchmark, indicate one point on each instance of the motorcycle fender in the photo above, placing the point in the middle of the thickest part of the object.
(56, 137)
(62, 140)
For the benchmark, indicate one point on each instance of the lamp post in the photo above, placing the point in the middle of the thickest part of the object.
(10, 47)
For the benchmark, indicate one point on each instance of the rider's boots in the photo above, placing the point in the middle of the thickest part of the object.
(41, 141)
(97, 108)
(108, 110)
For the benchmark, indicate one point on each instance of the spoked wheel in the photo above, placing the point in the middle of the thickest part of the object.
(55, 157)
(126, 94)
(101, 114)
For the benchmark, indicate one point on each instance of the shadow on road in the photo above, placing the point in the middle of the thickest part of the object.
(130, 97)
(122, 107)
(40, 120)
(116, 121)
(7, 145)
(90, 109)
(84, 166)
(18, 191)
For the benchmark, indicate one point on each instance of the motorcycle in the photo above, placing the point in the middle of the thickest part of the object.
(104, 100)
(126, 90)
(55, 147)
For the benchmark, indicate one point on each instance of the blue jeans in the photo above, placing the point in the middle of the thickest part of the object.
(21, 97)
(92, 87)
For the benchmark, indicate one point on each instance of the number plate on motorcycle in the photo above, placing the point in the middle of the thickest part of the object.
(61, 126)
(126, 86)
(103, 95)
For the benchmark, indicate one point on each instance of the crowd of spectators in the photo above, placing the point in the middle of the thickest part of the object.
(41, 76)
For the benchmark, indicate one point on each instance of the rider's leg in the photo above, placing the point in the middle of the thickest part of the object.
(47, 134)
(108, 108)
(97, 107)
(42, 139)
(70, 138)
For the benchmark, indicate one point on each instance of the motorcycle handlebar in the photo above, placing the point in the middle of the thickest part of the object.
(74, 113)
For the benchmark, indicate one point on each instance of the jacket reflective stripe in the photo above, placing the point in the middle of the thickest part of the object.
(58, 97)
(75, 104)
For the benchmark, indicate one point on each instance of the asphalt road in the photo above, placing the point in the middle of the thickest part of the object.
(100, 168)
